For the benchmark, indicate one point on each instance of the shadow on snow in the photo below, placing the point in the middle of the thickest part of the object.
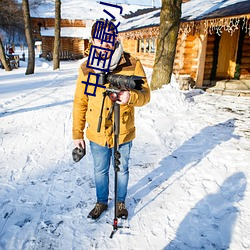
(210, 223)
(23, 110)
(190, 153)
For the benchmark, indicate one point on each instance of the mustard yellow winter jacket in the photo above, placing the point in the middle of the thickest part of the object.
(87, 108)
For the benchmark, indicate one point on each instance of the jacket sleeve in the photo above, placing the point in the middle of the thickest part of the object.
(139, 98)
(80, 106)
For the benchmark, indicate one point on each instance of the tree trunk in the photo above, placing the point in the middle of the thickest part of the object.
(29, 38)
(56, 59)
(3, 57)
(168, 34)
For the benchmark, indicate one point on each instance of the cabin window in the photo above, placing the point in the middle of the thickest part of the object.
(152, 45)
(146, 45)
(140, 45)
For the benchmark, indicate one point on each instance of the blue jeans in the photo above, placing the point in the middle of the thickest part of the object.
(102, 158)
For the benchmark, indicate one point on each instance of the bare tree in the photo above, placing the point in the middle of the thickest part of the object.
(11, 16)
(3, 57)
(11, 24)
(28, 33)
(56, 59)
(168, 34)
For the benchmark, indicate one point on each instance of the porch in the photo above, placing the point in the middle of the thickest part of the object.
(231, 87)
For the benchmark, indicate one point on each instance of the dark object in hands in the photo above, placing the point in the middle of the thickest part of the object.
(78, 153)
(121, 82)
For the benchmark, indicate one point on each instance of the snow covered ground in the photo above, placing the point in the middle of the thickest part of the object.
(189, 170)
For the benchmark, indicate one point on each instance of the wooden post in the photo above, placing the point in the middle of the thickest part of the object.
(156, 41)
(201, 60)
(140, 40)
(149, 45)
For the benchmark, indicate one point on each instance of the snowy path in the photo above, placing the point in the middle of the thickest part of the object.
(189, 170)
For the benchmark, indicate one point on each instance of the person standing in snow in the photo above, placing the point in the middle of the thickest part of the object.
(11, 50)
(86, 109)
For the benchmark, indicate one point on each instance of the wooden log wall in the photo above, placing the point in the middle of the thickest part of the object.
(245, 60)
(179, 60)
(146, 59)
(187, 50)
(50, 22)
(186, 55)
(79, 46)
(47, 45)
(131, 46)
(73, 45)
(185, 58)
(66, 44)
(190, 56)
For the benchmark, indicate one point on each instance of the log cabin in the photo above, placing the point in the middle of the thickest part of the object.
(213, 41)
(74, 37)
(77, 19)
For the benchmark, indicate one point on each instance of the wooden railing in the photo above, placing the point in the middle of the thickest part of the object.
(64, 55)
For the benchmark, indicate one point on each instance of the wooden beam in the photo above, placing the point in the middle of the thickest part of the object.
(201, 60)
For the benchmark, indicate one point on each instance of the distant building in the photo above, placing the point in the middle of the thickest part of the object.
(77, 19)
(74, 36)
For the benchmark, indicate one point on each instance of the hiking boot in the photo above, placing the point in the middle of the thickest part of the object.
(97, 210)
(122, 211)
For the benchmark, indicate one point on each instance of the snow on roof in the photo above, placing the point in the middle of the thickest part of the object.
(197, 9)
(38, 42)
(191, 11)
(145, 20)
(80, 32)
(82, 10)
(91, 10)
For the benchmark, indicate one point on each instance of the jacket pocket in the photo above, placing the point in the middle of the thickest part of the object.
(127, 120)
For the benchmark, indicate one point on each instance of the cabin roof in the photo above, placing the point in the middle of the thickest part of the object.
(208, 9)
(141, 21)
(193, 10)
(79, 32)
(82, 10)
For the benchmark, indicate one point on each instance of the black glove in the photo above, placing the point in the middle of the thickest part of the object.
(78, 153)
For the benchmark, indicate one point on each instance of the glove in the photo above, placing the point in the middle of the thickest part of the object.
(78, 153)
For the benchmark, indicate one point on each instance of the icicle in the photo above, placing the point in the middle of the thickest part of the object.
(216, 25)
(206, 27)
